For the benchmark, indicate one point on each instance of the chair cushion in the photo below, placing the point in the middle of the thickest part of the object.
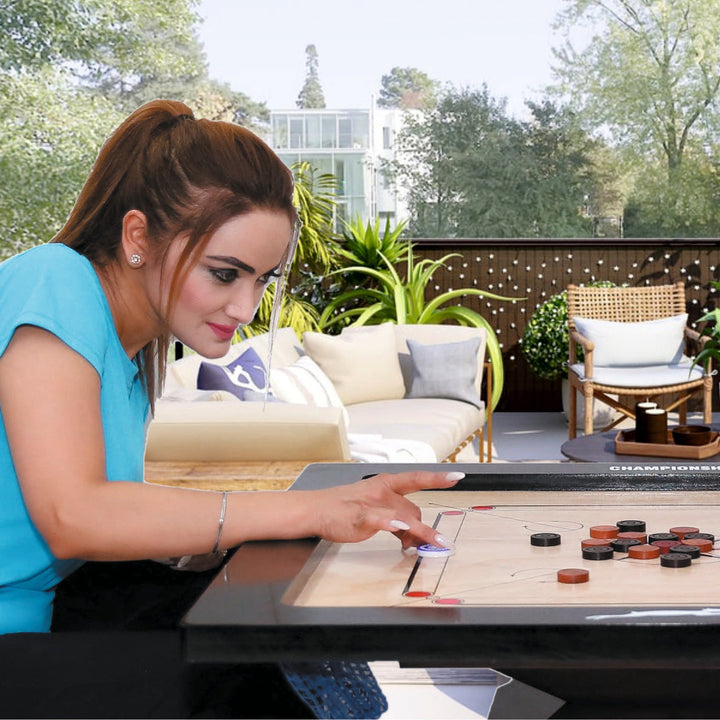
(643, 376)
(626, 344)
(446, 370)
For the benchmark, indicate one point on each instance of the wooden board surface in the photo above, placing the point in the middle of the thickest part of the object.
(494, 563)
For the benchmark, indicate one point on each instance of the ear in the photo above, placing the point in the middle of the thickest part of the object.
(134, 238)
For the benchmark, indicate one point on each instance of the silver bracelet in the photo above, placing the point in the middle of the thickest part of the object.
(221, 521)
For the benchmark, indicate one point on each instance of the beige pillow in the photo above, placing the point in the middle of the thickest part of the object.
(363, 365)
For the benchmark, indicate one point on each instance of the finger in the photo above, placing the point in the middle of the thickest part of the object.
(421, 534)
(407, 482)
(415, 532)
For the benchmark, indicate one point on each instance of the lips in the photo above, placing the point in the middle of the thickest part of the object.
(223, 332)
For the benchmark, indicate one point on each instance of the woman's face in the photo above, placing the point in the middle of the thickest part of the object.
(223, 289)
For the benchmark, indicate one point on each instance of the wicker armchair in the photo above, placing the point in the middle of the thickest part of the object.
(610, 381)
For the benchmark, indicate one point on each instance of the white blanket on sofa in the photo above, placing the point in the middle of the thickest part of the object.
(374, 448)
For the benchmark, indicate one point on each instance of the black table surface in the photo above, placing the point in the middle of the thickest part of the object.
(241, 617)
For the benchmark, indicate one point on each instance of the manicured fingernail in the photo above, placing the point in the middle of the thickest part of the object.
(442, 541)
(453, 476)
(399, 525)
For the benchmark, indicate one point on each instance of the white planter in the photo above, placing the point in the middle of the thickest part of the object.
(602, 414)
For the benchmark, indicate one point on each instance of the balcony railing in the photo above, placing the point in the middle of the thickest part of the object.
(536, 269)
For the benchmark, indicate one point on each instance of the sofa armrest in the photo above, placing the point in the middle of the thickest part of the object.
(237, 431)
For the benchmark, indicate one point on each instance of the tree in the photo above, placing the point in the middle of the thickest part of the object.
(408, 89)
(72, 72)
(650, 75)
(471, 171)
(55, 32)
(311, 95)
(427, 149)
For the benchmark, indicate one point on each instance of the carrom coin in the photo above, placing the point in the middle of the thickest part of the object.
(573, 575)
(546, 539)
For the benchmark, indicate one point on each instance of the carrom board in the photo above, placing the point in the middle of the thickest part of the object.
(495, 602)
(494, 563)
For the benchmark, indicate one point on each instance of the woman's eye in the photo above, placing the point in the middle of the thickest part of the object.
(224, 275)
(269, 277)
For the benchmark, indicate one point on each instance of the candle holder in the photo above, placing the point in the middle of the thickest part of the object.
(641, 431)
(651, 426)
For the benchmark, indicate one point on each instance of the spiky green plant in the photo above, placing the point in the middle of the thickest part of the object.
(364, 244)
(402, 300)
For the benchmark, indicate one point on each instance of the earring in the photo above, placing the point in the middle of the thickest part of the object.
(136, 259)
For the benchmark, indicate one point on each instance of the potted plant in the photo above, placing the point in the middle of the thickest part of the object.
(710, 336)
(546, 347)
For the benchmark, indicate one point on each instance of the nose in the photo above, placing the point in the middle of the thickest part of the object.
(243, 305)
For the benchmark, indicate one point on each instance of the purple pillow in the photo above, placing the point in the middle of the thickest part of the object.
(245, 377)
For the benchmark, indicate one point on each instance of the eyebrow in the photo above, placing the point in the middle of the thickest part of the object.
(232, 261)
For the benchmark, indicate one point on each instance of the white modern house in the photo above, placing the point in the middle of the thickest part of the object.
(351, 145)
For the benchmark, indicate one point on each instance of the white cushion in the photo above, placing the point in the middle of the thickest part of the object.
(304, 383)
(625, 344)
(362, 365)
(642, 375)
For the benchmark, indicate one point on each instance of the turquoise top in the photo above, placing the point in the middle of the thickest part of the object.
(55, 288)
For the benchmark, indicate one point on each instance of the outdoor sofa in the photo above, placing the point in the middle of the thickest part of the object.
(395, 393)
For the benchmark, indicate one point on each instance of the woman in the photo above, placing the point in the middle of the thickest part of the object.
(177, 232)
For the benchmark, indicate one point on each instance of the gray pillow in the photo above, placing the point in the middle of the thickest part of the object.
(446, 370)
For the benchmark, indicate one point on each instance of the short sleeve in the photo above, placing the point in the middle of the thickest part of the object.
(54, 288)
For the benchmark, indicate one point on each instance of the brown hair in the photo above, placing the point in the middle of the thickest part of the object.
(187, 176)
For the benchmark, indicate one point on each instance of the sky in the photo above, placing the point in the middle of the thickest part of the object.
(258, 46)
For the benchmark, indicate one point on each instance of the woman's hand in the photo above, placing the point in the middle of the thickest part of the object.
(350, 513)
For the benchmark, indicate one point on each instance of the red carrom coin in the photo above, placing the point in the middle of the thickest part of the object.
(604, 532)
(665, 545)
(631, 535)
(644, 552)
(704, 545)
(573, 575)
(591, 542)
(681, 531)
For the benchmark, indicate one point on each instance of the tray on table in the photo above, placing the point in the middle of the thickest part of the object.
(625, 444)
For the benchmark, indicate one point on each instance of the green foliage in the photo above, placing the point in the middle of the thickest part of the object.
(711, 333)
(73, 71)
(649, 77)
(545, 343)
(364, 244)
(402, 300)
(132, 36)
(44, 158)
(687, 207)
(471, 171)
(407, 88)
(315, 198)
